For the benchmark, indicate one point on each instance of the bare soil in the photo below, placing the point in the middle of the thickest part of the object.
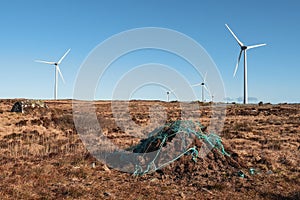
(42, 156)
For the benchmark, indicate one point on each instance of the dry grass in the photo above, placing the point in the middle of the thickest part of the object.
(42, 156)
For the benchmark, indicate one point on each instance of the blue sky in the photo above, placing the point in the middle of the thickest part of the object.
(35, 29)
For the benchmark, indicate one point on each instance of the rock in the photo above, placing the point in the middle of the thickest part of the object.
(154, 180)
(107, 194)
(93, 165)
(269, 172)
(21, 106)
(182, 195)
(105, 168)
(17, 107)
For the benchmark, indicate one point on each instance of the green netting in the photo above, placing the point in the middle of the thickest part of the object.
(158, 140)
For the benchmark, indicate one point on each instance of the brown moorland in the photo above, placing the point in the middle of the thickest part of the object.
(43, 157)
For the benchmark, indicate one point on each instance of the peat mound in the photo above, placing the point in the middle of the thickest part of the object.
(205, 155)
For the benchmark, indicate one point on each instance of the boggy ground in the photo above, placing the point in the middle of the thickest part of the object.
(42, 156)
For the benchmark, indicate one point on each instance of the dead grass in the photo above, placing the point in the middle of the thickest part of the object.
(42, 156)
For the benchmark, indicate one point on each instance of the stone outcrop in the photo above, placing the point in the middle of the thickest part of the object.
(22, 106)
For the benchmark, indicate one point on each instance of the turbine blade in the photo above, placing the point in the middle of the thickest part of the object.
(237, 63)
(60, 73)
(63, 56)
(207, 89)
(254, 46)
(196, 84)
(236, 38)
(45, 62)
(204, 79)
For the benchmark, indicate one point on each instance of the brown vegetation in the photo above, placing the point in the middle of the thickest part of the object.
(42, 156)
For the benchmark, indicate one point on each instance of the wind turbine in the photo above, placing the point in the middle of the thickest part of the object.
(57, 70)
(244, 49)
(203, 86)
(212, 97)
(168, 94)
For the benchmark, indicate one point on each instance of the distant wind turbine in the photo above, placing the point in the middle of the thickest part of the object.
(244, 49)
(212, 97)
(203, 86)
(57, 70)
(168, 94)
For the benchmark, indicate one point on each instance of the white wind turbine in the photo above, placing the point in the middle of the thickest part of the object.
(203, 87)
(212, 95)
(168, 94)
(57, 70)
(244, 49)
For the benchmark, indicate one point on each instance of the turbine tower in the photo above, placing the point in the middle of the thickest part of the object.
(57, 71)
(244, 49)
(203, 86)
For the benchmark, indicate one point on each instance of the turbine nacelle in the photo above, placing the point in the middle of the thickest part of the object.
(244, 48)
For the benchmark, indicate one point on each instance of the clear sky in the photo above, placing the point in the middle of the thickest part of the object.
(35, 29)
